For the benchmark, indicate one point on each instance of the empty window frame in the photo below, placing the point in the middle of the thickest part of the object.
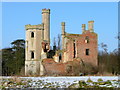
(86, 39)
(74, 50)
(32, 34)
(87, 52)
(32, 55)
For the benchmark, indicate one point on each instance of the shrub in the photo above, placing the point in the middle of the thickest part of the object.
(82, 84)
(99, 80)
(89, 80)
(87, 68)
(108, 82)
(22, 72)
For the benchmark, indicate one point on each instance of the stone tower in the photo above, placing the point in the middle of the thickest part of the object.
(46, 22)
(37, 44)
(33, 48)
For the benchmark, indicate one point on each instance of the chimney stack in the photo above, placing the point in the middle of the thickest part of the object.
(63, 27)
(63, 33)
(90, 26)
(83, 27)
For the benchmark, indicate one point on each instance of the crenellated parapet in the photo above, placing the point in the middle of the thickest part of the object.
(63, 23)
(45, 11)
(39, 26)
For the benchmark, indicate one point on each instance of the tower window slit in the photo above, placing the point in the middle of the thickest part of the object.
(74, 50)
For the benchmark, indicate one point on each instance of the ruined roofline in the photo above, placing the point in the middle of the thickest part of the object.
(39, 26)
(71, 34)
(90, 28)
(89, 31)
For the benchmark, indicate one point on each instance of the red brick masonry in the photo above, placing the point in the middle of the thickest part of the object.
(53, 68)
(81, 46)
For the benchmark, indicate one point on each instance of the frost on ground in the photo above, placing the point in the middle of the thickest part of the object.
(60, 82)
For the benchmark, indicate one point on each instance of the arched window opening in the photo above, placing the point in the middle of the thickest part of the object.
(32, 34)
(32, 55)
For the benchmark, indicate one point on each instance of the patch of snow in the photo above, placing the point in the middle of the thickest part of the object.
(66, 81)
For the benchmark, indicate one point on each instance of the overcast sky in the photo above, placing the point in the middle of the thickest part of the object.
(17, 15)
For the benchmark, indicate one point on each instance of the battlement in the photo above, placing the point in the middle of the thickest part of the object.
(63, 23)
(45, 11)
(90, 21)
(39, 26)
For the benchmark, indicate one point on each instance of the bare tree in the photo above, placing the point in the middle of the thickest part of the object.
(54, 42)
(104, 47)
(59, 42)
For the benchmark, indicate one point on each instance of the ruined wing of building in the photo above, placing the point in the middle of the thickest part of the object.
(81, 47)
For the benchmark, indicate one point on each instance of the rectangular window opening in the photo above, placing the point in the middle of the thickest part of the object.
(32, 55)
(74, 50)
(87, 51)
(32, 34)
(86, 39)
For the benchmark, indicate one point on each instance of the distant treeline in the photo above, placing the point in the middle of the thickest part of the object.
(108, 63)
(13, 60)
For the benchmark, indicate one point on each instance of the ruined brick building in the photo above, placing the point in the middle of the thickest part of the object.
(76, 48)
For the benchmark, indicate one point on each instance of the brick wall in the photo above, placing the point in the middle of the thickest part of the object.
(53, 68)
(92, 46)
(81, 46)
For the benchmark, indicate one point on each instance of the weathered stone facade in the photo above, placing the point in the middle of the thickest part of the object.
(76, 48)
(37, 44)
